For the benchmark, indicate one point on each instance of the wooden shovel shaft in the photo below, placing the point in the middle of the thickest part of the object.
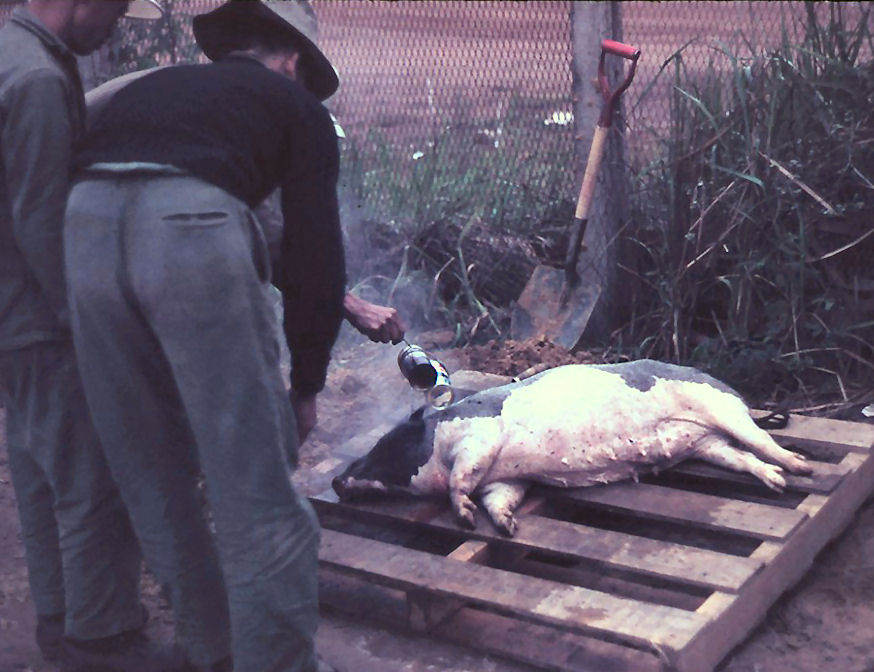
(584, 202)
(596, 152)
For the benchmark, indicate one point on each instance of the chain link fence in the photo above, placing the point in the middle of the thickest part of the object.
(470, 78)
(479, 91)
(401, 61)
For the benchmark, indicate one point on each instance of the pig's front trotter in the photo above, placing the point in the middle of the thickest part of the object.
(471, 459)
(500, 500)
(463, 507)
(506, 522)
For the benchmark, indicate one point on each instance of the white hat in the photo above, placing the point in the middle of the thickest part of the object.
(144, 9)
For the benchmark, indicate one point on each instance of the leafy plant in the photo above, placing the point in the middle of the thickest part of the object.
(748, 247)
(469, 201)
(138, 45)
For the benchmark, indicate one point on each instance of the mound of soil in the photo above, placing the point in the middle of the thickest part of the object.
(510, 358)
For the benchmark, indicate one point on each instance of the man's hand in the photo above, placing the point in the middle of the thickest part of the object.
(380, 324)
(305, 413)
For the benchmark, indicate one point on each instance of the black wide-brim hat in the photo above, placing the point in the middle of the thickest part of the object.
(226, 28)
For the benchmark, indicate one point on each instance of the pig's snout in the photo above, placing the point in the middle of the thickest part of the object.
(339, 486)
(349, 486)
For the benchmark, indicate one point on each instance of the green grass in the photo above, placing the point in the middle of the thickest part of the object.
(508, 171)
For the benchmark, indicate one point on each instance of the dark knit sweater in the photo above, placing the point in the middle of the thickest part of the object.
(248, 130)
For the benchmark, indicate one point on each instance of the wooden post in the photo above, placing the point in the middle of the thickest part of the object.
(590, 23)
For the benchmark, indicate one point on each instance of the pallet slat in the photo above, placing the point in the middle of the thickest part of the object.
(824, 479)
(651, 557)
(573, 608)
(731, 618)
(853, 436)
(544, 647)
(717, 513)
(541, 646)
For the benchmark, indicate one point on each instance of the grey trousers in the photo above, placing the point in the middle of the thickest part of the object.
(176, 340)
(82, 556)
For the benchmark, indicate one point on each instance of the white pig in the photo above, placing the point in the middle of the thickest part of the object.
(570, 426)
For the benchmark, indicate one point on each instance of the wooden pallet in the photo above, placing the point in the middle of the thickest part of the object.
(667, 574)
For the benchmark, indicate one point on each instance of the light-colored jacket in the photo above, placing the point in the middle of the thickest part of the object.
(42, 117)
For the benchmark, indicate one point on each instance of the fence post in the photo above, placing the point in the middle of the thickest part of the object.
(590, 23)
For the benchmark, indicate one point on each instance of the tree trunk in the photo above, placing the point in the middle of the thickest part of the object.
(590, 23)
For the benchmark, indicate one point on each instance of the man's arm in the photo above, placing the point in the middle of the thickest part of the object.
(311, 272)
(37, 145)
(380, 324)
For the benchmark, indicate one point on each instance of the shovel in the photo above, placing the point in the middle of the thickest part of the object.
(555, 305)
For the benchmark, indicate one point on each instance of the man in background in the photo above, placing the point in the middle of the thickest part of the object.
(83, 560)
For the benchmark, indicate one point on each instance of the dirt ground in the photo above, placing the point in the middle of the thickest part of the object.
(825, 623)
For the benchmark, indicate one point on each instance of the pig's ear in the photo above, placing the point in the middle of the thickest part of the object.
(417, 415)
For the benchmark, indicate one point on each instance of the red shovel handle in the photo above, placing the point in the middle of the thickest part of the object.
(612, 97)
(620, 49)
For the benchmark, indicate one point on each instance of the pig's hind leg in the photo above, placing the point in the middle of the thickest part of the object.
(731, 416)
(717, 450)
(500, 499)
(758, 441)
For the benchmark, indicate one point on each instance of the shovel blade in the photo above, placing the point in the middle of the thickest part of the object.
(548, 309)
